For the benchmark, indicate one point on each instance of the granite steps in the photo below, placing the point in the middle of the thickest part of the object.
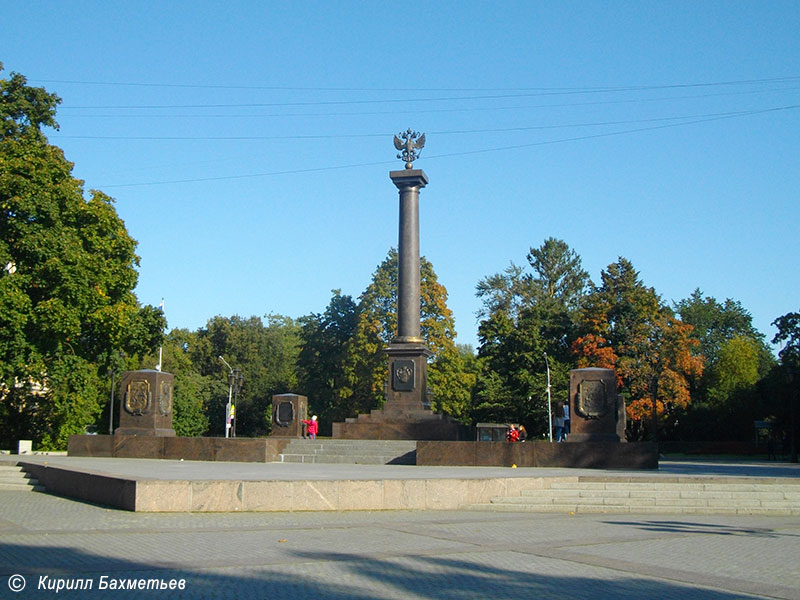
(615, 495)
(374, 452)
(15, 478)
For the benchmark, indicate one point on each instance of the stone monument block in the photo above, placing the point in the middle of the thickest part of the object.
(597, 412)
(288, 410)
(146, 403)
(407, 384)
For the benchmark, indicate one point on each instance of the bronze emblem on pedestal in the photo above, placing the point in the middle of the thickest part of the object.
(593, 401)
(403, 375)
(165, 398)
(138, 397)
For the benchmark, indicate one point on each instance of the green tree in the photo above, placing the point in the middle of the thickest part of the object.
(727, 397)
(715, 325)
(525, 316)
(193, 393)
(451, 379)
(66, 288)
(559, 278)
(24, 110)
(267, 356)
(734, 370)
(366, 366)
(789, 336)
(321, 360)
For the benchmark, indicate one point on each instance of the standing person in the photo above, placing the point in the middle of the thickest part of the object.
(523, 433)
(558, 425)
(566, 420)
(312, 427)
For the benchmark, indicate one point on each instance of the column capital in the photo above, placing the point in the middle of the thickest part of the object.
(409, 178)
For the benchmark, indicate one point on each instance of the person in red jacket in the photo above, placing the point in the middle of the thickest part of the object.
(512, 435)
(311, 427)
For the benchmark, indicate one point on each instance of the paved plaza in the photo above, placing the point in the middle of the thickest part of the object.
(56, 542)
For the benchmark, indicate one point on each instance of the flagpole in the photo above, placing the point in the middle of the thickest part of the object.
(161, 347)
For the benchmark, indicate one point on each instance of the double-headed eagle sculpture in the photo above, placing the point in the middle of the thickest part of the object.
(410, 145)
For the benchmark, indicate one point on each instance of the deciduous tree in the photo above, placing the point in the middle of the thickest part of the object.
(366, 364)
(321, 360)
(267, 356)
(626, 326)
(525, 315)
(66, 285)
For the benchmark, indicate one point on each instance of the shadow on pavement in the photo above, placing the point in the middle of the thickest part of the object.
(328, 575)
(702, 528)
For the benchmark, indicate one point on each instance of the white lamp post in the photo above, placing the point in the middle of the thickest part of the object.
(549, 403)
(230, 398)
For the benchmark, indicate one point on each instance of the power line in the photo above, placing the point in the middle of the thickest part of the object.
(432, 110)
(502, 96)
(583, 89)
(610, 134)
(383, 135)
(462, 153)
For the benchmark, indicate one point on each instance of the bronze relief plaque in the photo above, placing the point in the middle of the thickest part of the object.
(403, 375)
(165, 398)
(284, 414)
(593, 401)
(138, 397)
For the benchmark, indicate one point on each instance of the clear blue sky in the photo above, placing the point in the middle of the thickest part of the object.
(248, 144)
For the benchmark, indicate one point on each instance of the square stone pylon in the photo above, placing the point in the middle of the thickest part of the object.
(146, 403)
(408, 379)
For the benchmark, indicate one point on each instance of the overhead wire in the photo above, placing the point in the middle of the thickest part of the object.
(462, 153)
(385, 134)
(330, 102)
(775, 84)
(481, 109)
(418, 89)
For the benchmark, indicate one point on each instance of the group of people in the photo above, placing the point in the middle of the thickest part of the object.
(561, 422)
(516, 433)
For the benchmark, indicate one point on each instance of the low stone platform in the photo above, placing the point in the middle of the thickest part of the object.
(195, 486)
(581, 455)
(584, 455)
(184, 486)
(178, 448)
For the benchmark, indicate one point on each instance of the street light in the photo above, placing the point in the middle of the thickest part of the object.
(238, 380)
(549, 402)
(111, 406)
(230, 398)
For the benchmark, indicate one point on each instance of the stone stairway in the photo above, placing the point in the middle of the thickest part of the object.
(363, 452)
(684, 495)
(15, 478)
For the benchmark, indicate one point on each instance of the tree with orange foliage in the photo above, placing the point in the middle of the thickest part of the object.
(626, 326)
